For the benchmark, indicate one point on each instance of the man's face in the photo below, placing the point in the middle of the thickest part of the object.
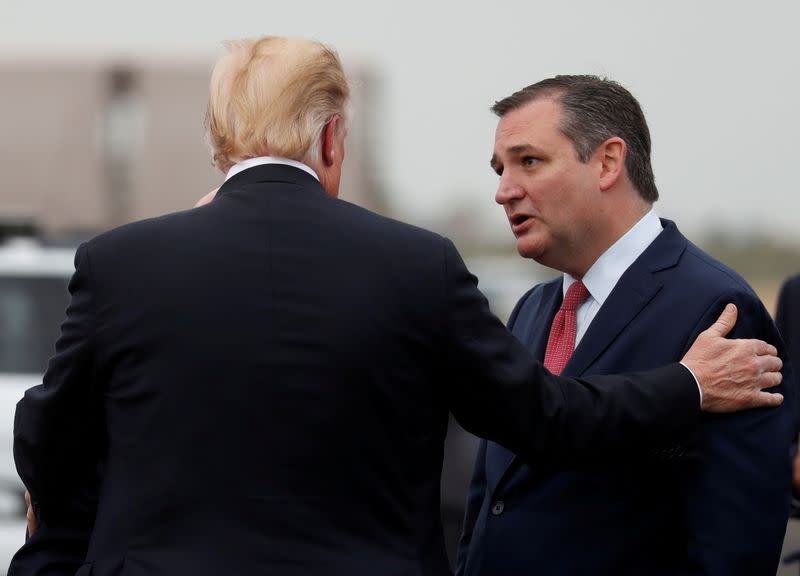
(550, 197)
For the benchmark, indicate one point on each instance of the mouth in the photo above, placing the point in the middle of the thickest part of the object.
(519, 223)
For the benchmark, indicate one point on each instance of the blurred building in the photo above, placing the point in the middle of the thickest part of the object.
(50, 165)
(88, 145)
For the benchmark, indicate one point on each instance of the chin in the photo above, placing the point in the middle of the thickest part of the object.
(529, 250)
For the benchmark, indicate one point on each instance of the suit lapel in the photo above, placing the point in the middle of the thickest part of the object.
(634, 290)
(532, 328)
(629, 297)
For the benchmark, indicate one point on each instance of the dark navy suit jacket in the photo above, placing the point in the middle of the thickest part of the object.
(716, 505)
(264, 385)
(787, 317)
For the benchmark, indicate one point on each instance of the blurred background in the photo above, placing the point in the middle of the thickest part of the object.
(101, 123)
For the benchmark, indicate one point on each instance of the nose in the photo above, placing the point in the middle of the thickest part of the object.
(508, 189)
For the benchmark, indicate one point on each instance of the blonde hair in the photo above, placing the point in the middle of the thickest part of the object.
(273, 96)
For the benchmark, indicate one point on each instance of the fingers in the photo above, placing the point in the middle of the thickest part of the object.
(725, 322)
(770, 379)
(207, 198)
(29, 515)
(768, 364)
(766, 400)
(761, 348)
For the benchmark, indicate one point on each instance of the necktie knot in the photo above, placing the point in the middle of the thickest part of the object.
(576, 295)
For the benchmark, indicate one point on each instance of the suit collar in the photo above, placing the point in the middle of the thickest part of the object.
(666, 250)
(263, 160)
(606, 271)
(635, 289)
(270, 173)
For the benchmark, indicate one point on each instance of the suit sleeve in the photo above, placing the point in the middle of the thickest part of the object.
(497, 391)
(57, 440)
(738, 492)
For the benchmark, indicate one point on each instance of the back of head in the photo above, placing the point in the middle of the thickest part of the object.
(594, 109)
(273, 96)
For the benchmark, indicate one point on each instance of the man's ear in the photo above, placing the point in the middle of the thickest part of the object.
(330, 148)
(612, 154)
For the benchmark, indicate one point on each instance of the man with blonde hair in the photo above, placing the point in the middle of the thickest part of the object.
(261, 385)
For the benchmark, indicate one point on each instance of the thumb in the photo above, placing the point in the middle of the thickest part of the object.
(725, 322)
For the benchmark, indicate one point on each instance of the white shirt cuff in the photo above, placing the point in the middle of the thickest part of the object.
(696, 381)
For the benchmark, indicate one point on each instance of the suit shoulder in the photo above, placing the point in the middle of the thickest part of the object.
(140, 229)
(717, 284)
(399, 242)
(144, 238)
(386, 226)
(715, 276)
(791, 286)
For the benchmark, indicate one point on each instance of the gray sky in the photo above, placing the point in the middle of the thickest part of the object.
(718, 81)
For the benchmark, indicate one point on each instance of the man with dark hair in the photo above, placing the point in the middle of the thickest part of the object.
(573, 157)
(592, 113)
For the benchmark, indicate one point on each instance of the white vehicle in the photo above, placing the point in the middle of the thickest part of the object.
(33, 298)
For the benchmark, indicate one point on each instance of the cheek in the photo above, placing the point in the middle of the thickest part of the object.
(548, 192)
(536, 194)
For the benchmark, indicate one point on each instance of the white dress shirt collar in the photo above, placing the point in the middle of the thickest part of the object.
(260, 160)
(609, 268)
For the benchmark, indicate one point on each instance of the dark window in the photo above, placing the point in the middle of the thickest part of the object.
(31, 311)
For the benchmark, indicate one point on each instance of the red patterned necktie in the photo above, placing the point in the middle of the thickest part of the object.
(561, 342)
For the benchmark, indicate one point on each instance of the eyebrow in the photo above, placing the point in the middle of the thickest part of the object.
(520, 148)
(494, 162)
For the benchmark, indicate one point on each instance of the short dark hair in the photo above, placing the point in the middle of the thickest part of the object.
(595, 109)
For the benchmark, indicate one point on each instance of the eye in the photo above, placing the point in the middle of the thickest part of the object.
(498, 170)
(529, 161)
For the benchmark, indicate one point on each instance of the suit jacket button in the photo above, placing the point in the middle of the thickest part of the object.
(498, 508)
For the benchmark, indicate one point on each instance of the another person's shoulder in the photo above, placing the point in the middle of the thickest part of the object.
(791, 286)
(787, 306)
